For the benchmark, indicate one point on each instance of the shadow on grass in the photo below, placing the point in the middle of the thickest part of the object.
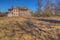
(51, 21)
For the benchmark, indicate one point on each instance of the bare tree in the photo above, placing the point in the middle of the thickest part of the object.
(39, 5)
(48, 8)
(58, 7)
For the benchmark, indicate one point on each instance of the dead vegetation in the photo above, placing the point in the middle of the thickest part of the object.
(28, 29)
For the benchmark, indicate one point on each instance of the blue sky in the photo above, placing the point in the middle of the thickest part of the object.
(30, 4)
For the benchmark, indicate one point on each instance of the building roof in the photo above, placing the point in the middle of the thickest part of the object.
(20, 8)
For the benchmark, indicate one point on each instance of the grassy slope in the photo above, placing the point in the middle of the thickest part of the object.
(20, 28)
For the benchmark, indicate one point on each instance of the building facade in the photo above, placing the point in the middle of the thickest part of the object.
(17, 11)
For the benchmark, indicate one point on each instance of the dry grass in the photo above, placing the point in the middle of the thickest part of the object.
(22, 28)
(51, 18)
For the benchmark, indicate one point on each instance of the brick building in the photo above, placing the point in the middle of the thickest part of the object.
(17, 11)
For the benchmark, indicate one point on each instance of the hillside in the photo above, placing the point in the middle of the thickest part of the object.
(20, 28)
